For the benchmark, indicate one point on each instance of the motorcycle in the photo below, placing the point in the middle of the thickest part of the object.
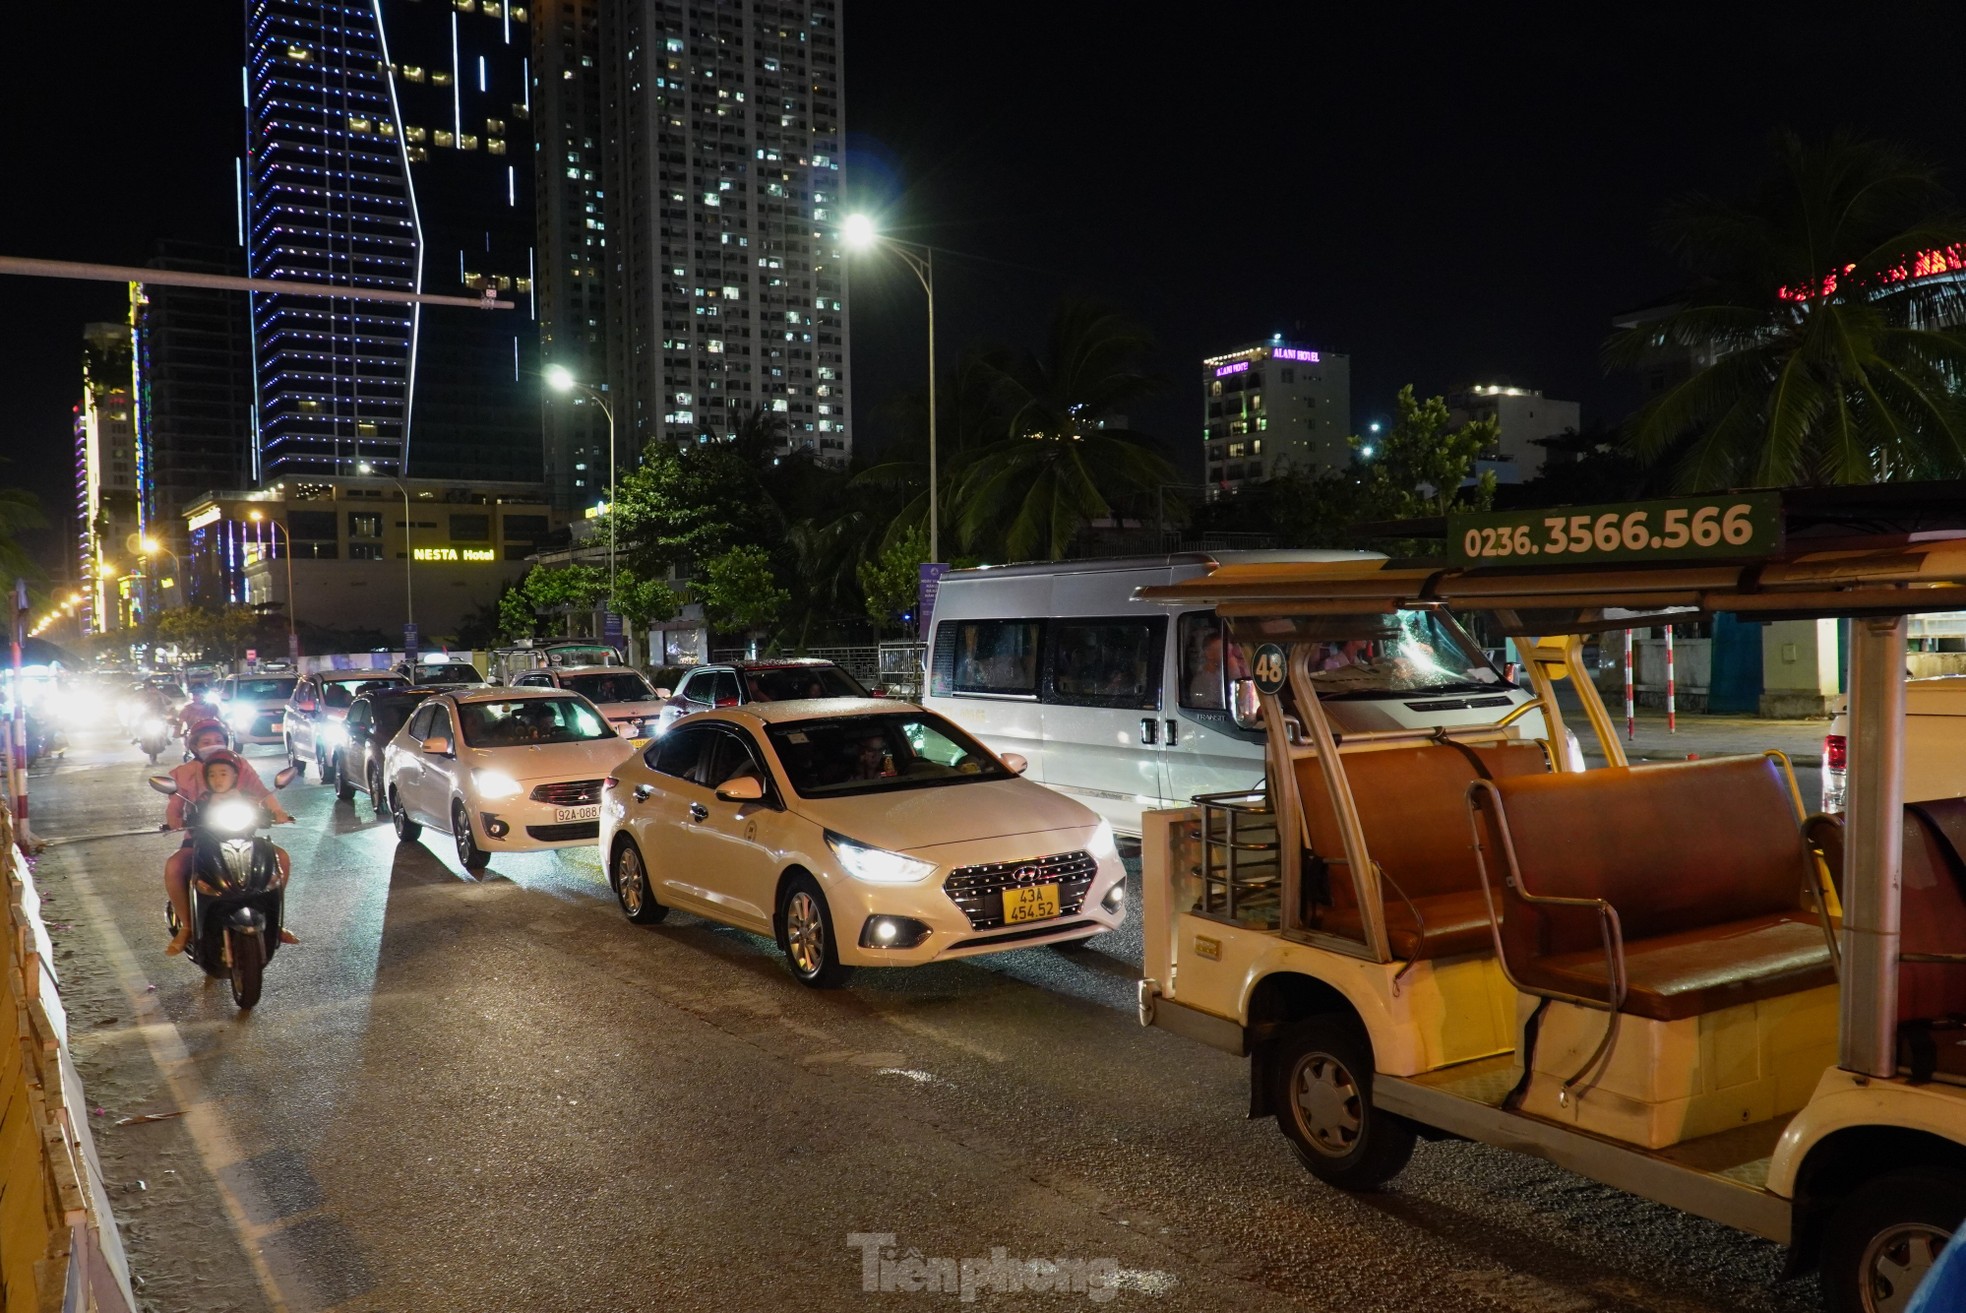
(237, 893)
(153, 736)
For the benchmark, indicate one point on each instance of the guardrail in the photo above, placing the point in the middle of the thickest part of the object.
(59, 1248)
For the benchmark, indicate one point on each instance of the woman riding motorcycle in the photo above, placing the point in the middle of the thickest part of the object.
(207, 742)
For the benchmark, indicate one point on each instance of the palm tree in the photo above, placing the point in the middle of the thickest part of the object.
(19, 512)
(1056, 465)
(1824, 352)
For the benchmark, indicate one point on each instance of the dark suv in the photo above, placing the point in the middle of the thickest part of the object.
(740, 682)
(373, 719)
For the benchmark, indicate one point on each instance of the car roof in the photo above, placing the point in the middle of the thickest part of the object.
(343, 676)
(791, 709)
(773, 663)
(500, 693)
(402, 692)
(593, 670)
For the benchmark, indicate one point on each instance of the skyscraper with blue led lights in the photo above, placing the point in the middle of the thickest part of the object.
(389, 145)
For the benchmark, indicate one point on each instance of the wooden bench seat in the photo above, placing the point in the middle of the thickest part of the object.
(1702, 862)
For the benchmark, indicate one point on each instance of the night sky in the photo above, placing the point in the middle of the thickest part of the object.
(1448, 197)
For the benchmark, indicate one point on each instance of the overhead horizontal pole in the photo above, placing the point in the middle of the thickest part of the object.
(114, 273)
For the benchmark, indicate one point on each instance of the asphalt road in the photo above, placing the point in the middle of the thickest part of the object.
(490, 1094)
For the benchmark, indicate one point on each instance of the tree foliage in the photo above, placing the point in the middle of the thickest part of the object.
(684, 504)
(516, 617)
(1420, 465)
(567, 587)
(739, 591)
(640, 601)
(210, 633)
(1819, 355)
(891, 582)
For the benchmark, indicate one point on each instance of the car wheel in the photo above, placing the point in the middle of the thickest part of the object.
(806, 928)
(293, 759)
(377, 798)
(469, 855)
(407, 830)
(344, 788)
(1321, 1071)
(629, 875)
(1884, 1238)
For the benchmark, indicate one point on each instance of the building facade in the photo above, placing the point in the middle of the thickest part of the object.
(108, 511)
(1526, 417)
(1273, 407)
(389, 145)
(364, 555)
(193, 378)
(721, 158)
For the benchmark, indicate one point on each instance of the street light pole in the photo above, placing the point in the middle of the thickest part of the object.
(293, 635)
(409, 552)
(152, 547)
(859, 232)
(561, 379)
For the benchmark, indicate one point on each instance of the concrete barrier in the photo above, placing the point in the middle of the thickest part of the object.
(59, 1248)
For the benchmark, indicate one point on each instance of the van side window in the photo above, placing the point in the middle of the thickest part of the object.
(988, 656)
(1200, 636)
(1107, 663)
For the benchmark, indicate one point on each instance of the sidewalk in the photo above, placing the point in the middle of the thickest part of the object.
(1709, 736)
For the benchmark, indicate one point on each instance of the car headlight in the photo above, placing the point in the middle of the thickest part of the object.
(234, 816)
(240, 718)
(332, 732)
(1101, 845)
(495, 784)
(877, 865)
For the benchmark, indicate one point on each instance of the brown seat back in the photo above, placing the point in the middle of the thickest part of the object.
(1412, 804)
(1672, 847)
(1933, 909)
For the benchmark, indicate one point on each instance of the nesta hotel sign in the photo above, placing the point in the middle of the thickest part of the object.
(455, 554)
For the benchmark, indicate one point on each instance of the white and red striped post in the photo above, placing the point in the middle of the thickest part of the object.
(17, 757)
(1672, 715)
(1631, 693)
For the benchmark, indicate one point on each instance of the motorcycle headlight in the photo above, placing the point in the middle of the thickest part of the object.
(234, 816)
(877, 865)
(154, 727)
(495, 784)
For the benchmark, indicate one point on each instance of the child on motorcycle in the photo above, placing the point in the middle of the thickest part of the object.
(215, 771)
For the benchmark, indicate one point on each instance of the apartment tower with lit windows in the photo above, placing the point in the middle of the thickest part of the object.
(721, 159)
(389, 145)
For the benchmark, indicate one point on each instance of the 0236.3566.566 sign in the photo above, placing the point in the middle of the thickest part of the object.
(1719, 525)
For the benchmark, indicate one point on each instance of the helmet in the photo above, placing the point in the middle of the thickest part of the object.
(223, 757)
(200, 729)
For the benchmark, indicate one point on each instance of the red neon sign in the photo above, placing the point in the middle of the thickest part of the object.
(1925, 264)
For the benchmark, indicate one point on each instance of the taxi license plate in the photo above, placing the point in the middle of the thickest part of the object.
(275, 726)
(564, 814)
(1034, 903)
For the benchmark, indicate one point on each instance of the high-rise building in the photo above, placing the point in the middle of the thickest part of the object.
(389, 145)
(1272, 407)
(107, 510)
(193, 388)
(722, 169)
(573, 232)
(1525, 418)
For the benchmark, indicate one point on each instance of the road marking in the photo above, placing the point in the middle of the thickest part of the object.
(202, 1117)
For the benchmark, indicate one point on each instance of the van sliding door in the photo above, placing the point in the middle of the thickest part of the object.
(1102, 713)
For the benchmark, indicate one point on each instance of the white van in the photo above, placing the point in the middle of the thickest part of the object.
(1125, 706)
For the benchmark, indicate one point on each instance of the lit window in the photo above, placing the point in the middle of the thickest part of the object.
(416, 134)
(495, 127)
(357, 124)
(716, 347)
(299, 54)
(467, 6)
(518, 13)
(492, 8)
(418, 154)
(467, 142)
(365, 428)
(412, 72)
(495, 145)
(386, 128)
(445, 137)
(439, 78)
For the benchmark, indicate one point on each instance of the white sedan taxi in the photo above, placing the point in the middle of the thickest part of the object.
(501, 770)
(856, 832)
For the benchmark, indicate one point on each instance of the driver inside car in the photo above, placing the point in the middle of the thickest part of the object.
(208, 742)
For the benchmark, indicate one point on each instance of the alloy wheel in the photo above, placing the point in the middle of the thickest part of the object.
(1896, 1261)
(630, 881)
(1328, 1104)
(805, 934)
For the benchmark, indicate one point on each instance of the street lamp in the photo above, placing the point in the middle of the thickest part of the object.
(561, 379)
(860, 234)
(409, 555)
(259, 517)
(151, 547)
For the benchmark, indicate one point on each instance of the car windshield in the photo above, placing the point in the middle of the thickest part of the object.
(1408, 652)
(876, 754)
(614, 686)
(263, 690)
(524, 722)
(453, 674)
(783, 683)
(341, 692)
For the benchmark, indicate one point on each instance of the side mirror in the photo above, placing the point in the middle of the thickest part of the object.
(1017, 762)
(162, 783)
(1245, 704)
(437, 745)
(746, 788)
(286, 777)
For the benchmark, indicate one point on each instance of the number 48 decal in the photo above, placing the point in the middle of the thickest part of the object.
(1270, 668)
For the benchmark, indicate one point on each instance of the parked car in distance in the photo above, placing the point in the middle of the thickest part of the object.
(856, 832)
(623, 694)
(255, 708)
(1935, 743)
(439, 672)
(739, 683)
(373, 719)
(501, 770)
(312, 721)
